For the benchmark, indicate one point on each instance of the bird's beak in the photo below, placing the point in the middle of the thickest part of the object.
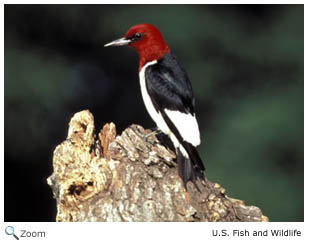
(119, 42)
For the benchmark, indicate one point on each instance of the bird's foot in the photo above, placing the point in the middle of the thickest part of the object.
(153, 133)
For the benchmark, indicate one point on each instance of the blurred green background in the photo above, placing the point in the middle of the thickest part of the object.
(246, 64)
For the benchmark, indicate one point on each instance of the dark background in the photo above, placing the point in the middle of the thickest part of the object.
(245, 63)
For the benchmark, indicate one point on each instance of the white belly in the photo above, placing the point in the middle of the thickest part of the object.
(156, 116)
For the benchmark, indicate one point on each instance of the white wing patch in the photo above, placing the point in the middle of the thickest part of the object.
(186, 125)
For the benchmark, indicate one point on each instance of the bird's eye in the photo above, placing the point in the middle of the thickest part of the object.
(137, 36)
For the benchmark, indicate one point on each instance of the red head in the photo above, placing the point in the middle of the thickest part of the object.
(147, 40)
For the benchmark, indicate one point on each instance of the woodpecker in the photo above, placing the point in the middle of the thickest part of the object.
(168, 96)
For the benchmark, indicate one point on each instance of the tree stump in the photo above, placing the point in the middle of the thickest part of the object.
(131, 177)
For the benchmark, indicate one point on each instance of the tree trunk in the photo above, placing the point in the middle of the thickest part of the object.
(131, 177)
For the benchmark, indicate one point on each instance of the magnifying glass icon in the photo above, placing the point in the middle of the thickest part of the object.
(9, 230)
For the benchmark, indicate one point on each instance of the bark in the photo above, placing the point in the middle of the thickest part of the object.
(131, 177)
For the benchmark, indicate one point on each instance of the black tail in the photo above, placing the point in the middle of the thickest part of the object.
(192, 168)
(189, 168)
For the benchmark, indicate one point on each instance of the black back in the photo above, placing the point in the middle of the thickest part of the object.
(169, 86)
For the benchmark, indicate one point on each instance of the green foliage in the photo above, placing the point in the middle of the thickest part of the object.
(260, 154)
(33, 93)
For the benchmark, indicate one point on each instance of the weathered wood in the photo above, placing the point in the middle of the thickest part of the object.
(131, 177)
